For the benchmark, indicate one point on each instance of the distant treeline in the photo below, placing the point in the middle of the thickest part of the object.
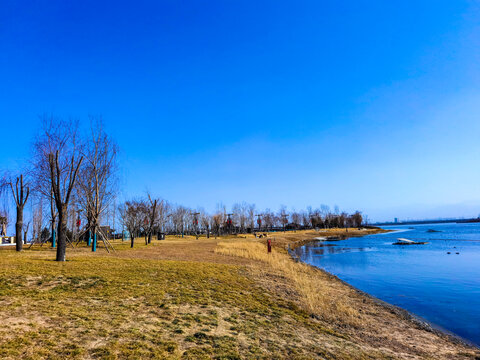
(152, 216)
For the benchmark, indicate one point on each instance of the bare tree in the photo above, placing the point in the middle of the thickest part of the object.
(296, 219)
(240, 217)
(51, 138)
(63, 182)
(342, 220)
(37, 220)
(283, 216)
(162, 214)
(25, 231)
(205, 222)
(305, 219)
(4, 206)
(366, 220)
(20, 192)
(251, 216)
(179, 218)
(151, 216)
(190, 222)
(357, 219)
(57, 160)
(194, 220)
(217, 221)
(336, 210)
(324, 209)
(316, 219)
(97, 180)
(269, 219)
(131, 217)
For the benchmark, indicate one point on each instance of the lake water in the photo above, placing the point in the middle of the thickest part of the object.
(423, 279)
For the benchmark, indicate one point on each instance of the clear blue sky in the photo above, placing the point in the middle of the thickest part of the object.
(370, 105)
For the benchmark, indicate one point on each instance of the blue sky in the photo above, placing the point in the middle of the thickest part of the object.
(370, 105)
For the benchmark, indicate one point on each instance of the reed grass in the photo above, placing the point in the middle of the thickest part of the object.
(319, 295)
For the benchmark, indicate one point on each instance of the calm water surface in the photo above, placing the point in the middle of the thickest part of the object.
(424, 279)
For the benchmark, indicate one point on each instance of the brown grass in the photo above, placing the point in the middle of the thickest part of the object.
(196, 299)
(320, 298)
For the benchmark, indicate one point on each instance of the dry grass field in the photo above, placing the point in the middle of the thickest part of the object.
(222, 298)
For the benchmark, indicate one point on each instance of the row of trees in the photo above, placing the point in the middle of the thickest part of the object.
(150, 216)
(72, 172)
(70, 186)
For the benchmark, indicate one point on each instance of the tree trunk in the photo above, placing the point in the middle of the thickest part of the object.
(18, 229)
(62, 234)
(149, 238)
(132, 239)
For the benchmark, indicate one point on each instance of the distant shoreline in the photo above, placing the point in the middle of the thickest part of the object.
(426, 222)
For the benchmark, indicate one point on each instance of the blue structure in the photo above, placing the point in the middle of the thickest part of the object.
(94, 245)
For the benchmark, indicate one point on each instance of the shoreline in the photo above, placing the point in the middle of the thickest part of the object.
(405, 314)
(346, 309)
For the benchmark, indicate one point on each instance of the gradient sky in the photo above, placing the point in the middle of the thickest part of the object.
(369, 105)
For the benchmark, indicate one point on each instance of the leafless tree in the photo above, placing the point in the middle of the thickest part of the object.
(240, 215)
(189, 221)
(269, 219)
(179, 219)
(283, 216)
(150, 210)
(251, 216)
(20, 192)
(324, 210)
(217, 221)
(3, 206)
(336, 210)
(366, 220)
(54, 135)
(57, 160)
(296, 219)
(316, 219)
(25, 231)
(131, 216)
(162, 215)
(357, 219)
(205, 221)
(342, 220)
(305, 219)
(37, 219)
(97, 180)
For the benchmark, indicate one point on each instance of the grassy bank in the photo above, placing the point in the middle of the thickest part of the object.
(180, 298)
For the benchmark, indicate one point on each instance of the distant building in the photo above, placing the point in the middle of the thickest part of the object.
(395, 220)
(5, 240)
